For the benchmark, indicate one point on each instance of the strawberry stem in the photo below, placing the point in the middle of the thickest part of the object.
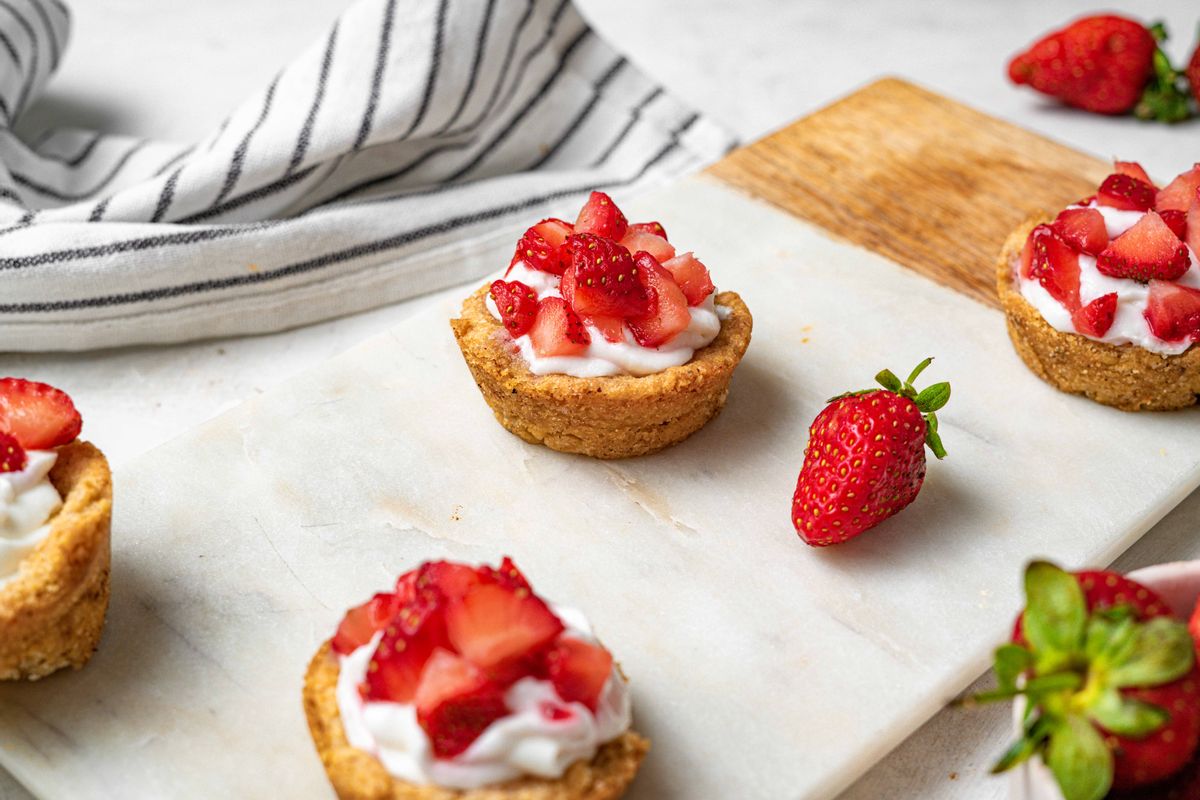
(927, 401)
(1166, 96)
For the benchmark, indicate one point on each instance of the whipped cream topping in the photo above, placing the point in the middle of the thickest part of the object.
(542, 736)
(27, 502)
(602, 357)
(1129, 325)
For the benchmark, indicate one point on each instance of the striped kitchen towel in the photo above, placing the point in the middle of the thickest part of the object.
(372, 169)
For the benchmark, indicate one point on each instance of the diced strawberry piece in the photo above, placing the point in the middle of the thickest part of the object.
(691, 276)
(456, 703)
(1177, 222)
(611, 328)
(12, 455)
(507, 575)
(406, 587)
(553, 712)
(1096, 317)
(1025, 269)
(1179, 193)
(494, 624)
(1055, 266)
(557, 330)
(517, 304)
(1148, 251)
(579, 670)
(668, 315)
(604, 279)
(601, 216)
(1133, 170)
(1083, 229)
(554, 230)
(363, 622)
(541, 246)
(37, 415)
(452, 580)
(1124, 192)
(1193, 225)
(409, 639)
(656, 246)
(1173, 311)
(649, 227)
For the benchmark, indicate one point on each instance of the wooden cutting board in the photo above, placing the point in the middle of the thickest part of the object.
(860, 237)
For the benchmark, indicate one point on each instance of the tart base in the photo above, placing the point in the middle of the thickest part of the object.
(1126, 377)
(357, 775)
(618, 416)
(52, 612)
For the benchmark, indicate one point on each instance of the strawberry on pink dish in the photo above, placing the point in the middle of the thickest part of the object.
(463, 678)
(1104, 299)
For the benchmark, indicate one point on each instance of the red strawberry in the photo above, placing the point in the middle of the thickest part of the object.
(579, 670)
(507, 575)
(1083, 229)
(1148, 760)
(1054, 265)
(692, 277)
(601, 216)
(1133, 170)
(1098, 63)
(557, 330)
(1177, 222)
(1193, 74)
(37, 415)
(1193, 225)
(517, 304)
(1096, 317)
(649, 227)
(541, 246)
(451, 580)
(604, 278)
(1126, 193)
(1149, 250)
(362, 622)
(12, 455)
(656, 246)
(611, 328)
(668, 313)
(456, 703)
(1179, 193)
(865, 458)
(494, 624)
(412, 635)
(1173, 312)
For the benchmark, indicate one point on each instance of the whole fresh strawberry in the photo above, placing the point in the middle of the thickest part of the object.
(865, 458)
(1193, 73)
(1109, 680)
(1105, 64)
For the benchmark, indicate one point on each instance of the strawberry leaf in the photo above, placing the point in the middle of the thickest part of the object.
(1079, 759)
(1011, 661)
(933, 397)
(1161, 651)
(1125, 717)
(1031, 740)
(888, 380)
(1055, 614)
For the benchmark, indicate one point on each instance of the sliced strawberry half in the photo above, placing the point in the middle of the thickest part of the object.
(12, 455)
(655, 228)
(604, 280)
(517, 304)
(579, 670)
(1149, 250)
(507, 575)
(1096, 317)
(557, 330)
(668, 315)
(1055, 265)
(601, 217)
(1126, 193)
(456, 703)
(1133, 169)
(37, 415)
(1173, 312)
(691, 276)
(1179, 193)
(363, 622)
(540, 246)
(409, 639)
(1177, 221)
(655, 245)
(1083, 229)
(495, 624)
(451, 579)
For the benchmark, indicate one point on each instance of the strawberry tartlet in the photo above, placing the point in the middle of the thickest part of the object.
(601, 339)
(463, 684)
(1104, 300)
(55, 512)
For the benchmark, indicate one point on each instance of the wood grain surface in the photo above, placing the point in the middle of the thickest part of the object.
(917, 177)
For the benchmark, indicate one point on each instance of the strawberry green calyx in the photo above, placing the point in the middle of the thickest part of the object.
(1166, 97)
(928, 401)
(1071, 670)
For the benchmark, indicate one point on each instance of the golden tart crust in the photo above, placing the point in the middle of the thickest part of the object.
(608, 417)
(52, 612)
(1122, 376)
(357, 775)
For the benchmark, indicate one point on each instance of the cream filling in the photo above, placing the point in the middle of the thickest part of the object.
(27, 502)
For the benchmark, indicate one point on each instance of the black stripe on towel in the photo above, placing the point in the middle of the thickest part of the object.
(385, 43)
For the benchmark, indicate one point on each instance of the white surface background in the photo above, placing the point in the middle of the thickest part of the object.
(169, 68)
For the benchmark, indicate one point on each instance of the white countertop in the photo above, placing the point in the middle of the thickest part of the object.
(753, 65)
